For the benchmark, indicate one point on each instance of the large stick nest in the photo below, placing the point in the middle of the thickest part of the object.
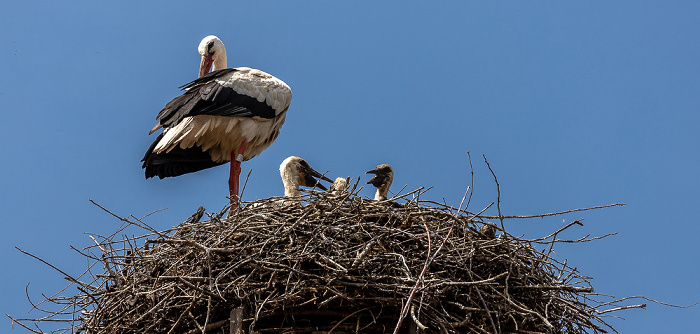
(325, 263)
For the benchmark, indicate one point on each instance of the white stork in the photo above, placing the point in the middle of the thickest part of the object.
(383, 177)
(297, 172)
(230, 114)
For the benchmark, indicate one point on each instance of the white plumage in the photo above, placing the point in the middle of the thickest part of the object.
(220, 135)
(340, 186)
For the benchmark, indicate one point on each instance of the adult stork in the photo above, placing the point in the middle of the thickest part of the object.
(230, 114)
(383, 177)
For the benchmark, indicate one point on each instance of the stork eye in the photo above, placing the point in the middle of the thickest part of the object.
(210, 47)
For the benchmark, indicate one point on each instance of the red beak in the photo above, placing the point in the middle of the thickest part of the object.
(205, 65)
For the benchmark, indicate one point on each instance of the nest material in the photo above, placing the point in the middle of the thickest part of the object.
(339, 264)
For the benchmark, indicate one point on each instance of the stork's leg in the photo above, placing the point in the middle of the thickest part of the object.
(236, 159)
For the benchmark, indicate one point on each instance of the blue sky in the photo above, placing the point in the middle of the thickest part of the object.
(574, 105)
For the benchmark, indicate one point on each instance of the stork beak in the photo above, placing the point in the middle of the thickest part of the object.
(205, 65)
(377, 179)
(311, 182)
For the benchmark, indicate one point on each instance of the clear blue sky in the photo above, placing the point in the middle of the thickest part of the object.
(575, 104)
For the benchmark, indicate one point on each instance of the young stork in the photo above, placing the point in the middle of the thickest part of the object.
(383, 177)
(340, 186)
(296, 172)
(230, 114)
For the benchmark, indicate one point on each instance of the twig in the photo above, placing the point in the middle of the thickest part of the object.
(498, 189)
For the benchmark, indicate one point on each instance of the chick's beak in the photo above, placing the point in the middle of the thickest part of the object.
(312, 182)
(377, 179)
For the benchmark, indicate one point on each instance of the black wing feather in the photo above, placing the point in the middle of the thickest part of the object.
(208, 77)
(205, 96)
(176, 162)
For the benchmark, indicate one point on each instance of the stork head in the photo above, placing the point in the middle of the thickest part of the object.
(296, 172)
(213, 52)
(383, 177)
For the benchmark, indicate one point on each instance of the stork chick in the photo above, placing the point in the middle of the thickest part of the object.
(296, 172)
(383, 177)
(339, 186)
(488, 230)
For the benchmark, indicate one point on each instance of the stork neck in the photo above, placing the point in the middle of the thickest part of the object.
(291, 185)
(291, 191)
(220, 62)
(381, 193)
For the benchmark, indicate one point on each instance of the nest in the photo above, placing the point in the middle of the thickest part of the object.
(330, 264)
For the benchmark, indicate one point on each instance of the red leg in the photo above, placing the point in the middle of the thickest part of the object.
(236, 159)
